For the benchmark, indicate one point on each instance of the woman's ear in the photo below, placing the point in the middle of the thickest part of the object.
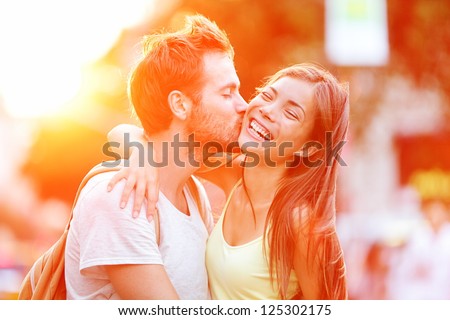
(179, 104)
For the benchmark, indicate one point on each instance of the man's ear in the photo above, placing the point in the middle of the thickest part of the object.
(179, 104)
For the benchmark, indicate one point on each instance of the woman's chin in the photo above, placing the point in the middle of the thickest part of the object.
(247, 141)
(217, 160)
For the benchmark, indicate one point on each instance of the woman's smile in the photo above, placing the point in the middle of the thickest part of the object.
(259, 131)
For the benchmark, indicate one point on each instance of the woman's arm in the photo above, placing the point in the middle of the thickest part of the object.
(125, 132)
(308, 272)
(139, 176)
(141, 282)
(321, 274)
(223, 171)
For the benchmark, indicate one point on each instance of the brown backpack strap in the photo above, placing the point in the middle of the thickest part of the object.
(157, 227)
(102, 168)
(194, 186)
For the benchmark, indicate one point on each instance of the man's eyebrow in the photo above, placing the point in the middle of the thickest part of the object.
(232, 85)
(291, 102)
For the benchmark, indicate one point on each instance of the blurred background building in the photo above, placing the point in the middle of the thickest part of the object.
(63, 72)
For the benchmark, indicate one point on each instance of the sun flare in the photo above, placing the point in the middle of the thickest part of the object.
(45, 45)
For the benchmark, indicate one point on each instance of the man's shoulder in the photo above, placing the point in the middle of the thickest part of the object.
(98, 180)
(95, 189)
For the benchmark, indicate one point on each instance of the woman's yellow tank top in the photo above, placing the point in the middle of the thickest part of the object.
(240, 272)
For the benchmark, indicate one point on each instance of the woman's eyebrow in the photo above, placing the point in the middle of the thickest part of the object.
(291, 102)
(274, 91)
(295, 104)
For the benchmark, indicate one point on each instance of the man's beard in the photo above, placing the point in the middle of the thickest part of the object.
(208, 128)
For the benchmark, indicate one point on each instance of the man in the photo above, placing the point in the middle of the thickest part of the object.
(185, 84)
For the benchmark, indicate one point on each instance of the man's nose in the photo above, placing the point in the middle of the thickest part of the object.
(241, 105)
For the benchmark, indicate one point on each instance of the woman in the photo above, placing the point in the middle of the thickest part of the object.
(277, 235)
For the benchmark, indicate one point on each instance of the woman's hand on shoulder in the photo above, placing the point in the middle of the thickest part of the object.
(143, 179)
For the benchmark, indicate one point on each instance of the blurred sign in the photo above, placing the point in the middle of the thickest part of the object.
(424, 163)
(356, 32)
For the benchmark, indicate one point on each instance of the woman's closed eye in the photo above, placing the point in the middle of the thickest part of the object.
(266, 96)
(292, 114)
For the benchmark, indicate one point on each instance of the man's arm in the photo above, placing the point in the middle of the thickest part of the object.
(143, 180)
(125, 248)
(141, 282)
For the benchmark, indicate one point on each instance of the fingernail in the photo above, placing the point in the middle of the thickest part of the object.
(135, 213)
(122, 205)
(109, 188)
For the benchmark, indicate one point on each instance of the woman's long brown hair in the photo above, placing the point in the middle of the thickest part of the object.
(306, 195)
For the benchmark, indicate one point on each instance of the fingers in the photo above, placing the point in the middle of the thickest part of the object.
(152, 196)
(129, 186)
(151, 212)
(144, 181)
(115, 179)
(139, 197)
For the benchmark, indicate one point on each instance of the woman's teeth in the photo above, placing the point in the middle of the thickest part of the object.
(259, 130)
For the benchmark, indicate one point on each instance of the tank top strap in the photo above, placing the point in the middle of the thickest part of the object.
(224, 210)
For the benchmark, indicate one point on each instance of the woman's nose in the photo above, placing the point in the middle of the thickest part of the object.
(266, 114)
